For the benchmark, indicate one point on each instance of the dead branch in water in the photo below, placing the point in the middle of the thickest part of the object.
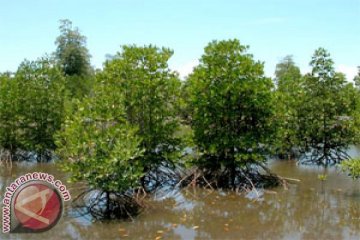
(294, 180)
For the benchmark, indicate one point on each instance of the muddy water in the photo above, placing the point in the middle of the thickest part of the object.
(311, 209)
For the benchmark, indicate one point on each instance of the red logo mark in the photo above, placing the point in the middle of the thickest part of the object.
(37, 207)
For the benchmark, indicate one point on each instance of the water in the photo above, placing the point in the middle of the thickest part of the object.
(311, 209)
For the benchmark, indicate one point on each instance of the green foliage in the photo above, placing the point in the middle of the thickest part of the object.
(71, 50)
(287, 75)
(130, 122)
(151, 92)
(31, 107)
(40, 102)
(327, 125)
(232, 107)
(8, 113)
(288, 93)
(357, 79)
(74, 59)
(352, 167)
(98, 145)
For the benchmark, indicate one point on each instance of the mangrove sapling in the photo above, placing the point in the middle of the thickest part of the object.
(151, 97)
(98, 146)
(31, 109)
(232, 114)
(327, 121)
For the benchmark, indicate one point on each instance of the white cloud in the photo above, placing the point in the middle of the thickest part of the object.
(349, 71)
(186, 68)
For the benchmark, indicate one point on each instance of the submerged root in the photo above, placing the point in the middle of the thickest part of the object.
(103, 205)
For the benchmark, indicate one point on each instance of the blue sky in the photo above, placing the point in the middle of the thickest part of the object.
(272, 28)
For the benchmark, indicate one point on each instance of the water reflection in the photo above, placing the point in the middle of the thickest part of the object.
(311, 209)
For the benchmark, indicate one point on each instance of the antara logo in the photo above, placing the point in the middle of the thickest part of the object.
(33, 203)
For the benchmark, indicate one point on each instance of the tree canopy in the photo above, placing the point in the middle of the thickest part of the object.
(74, 59)
(288, 94)
(98, 145)
(327, 124)
(151, 93)
(232, 109)
(32, 107)
(9, 126)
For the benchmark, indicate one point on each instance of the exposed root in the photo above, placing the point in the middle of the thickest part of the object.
(245, 179)
(329, 157)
